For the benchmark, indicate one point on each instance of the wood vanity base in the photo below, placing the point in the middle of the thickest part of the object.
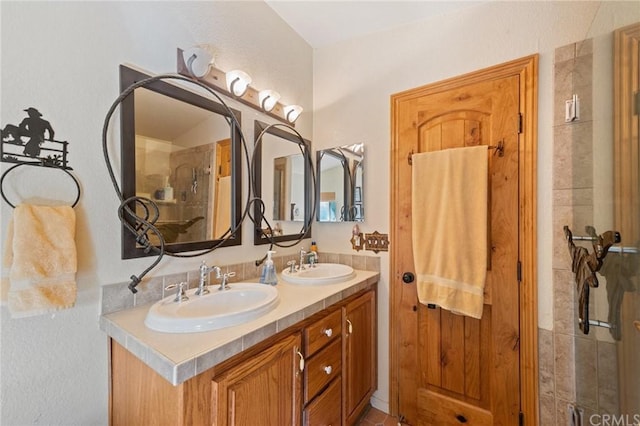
(264, 384)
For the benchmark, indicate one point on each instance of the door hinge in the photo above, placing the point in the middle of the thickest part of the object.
(521, 419)
(520, 123)
(519, 271)
(637, 103)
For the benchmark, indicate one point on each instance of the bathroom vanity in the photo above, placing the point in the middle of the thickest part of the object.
(312, 360)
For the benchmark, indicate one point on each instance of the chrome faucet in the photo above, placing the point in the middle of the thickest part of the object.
(303, 253)
(204, 272)
(312, 257)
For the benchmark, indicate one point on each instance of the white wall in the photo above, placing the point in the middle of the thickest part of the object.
(353, 82)
(62, 58)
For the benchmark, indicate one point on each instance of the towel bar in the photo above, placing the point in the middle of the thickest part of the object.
(499, 149)
(598, 323)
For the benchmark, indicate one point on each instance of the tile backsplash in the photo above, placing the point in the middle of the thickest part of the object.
(116, 297)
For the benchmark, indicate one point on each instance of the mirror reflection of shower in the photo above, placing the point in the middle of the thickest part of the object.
(341, 176)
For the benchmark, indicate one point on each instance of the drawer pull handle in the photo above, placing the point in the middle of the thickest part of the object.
(301, 366)
(349, 326)
(327, 332)
(461, 418)
(328, 369)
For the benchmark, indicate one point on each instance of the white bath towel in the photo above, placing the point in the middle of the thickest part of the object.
(449, 228)
(40, 253)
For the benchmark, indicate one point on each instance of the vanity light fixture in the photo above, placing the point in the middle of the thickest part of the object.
(268, 99)
(198, 63)
(198, 60)
(292, 112)
(238, 82)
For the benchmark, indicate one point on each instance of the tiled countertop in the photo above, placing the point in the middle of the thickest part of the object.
(180, 356)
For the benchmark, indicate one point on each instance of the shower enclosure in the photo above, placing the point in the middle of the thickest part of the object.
(590, 366)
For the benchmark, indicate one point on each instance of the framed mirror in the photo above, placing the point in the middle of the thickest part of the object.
(182, 151)
(282, 179)
(340, 191)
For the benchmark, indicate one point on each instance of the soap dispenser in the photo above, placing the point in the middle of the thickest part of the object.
(268, 275)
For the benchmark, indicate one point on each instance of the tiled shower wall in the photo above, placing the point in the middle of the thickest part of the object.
(575, 368)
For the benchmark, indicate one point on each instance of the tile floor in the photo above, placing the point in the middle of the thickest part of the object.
(375, 417)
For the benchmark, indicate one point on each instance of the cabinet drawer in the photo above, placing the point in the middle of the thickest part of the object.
(326, 410)
(322, 368)
(322, 332)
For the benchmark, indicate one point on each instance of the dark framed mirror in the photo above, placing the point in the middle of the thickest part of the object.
(182, 151)
(282, 171)
(340, 190)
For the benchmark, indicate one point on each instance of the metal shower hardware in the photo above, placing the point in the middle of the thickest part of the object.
(585, 265)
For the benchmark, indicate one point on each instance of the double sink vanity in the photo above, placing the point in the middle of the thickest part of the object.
(302, 352)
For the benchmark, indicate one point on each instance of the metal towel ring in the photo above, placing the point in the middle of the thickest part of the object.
(4, 197)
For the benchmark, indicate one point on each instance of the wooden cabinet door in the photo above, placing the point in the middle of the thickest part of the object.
(262, 391)
(359, 364)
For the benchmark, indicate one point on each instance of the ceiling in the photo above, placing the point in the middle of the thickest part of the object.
(324, 22)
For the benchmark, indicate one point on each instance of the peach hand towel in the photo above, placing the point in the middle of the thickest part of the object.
(449, 228)
(40, 253)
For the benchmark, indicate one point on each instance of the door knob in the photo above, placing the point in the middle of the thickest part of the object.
(408, 277)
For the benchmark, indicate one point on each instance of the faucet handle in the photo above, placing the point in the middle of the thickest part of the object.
(292, 266)
(224, 285)
(180, 294)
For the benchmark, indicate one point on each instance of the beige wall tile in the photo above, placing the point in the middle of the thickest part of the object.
(586, 374)
(546, 365)
(573, 156)
(607, 363)
(573, 197)
(565, 367)
(565, 53)
(563, 85)
(564, 303)
(547, 410)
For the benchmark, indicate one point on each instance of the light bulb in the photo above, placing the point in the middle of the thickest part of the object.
(268, 99)
(238, 82)
(292, 112)
(198, 61)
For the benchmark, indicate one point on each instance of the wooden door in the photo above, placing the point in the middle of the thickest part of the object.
(223, 158)
(264, 390)
(450, 369)
(360, 361)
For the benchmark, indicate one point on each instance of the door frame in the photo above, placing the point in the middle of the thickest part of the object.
(527, 70)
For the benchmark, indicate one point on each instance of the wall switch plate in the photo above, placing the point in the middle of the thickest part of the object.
(376, 242)
(572, 109)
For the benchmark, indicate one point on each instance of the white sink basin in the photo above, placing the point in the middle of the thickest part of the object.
(241, 303)
(321, 273)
